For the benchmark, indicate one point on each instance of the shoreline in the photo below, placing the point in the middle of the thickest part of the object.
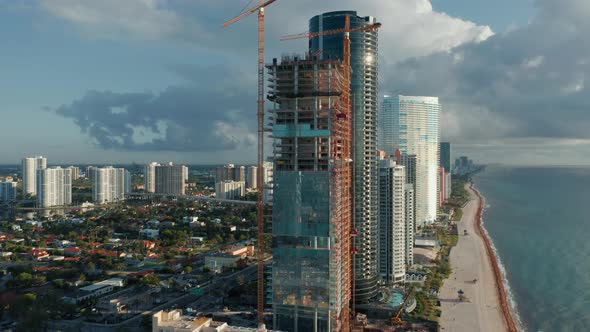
(470, 297)
(507, 310)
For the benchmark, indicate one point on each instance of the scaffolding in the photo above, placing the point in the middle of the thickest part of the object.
(311, 131)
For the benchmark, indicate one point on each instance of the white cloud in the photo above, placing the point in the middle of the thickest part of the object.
(149, 19)
(410, 28)
(575, 86)
(535, 62)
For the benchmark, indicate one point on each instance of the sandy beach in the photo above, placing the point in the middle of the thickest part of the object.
(469, 260)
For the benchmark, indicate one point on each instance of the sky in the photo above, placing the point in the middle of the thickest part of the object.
(116, 81)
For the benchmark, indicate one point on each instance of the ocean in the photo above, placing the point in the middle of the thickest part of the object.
(538, 219)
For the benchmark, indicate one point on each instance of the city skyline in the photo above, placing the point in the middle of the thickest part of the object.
(154, 80)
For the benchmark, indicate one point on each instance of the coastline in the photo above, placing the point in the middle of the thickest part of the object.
(507, 311)
(475, 272)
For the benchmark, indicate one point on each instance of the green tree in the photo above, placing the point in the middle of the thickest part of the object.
(150, 280)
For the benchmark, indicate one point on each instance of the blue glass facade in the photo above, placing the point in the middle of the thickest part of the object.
(364, 108)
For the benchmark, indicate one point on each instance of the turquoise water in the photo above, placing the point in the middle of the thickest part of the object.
(397, 299)
(538, 219)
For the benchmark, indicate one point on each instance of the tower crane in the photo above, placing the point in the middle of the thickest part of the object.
(260, 171)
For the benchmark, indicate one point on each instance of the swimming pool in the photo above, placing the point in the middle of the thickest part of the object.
(397, 299)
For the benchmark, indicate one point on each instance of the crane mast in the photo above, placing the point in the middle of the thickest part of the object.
(260, 172)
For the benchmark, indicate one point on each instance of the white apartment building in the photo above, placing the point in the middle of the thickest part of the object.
(54, 187)
(7, 191)
(410, 224)
(392, 222)
(75, 172)
(412, 125)
(110, 184)
(149, 177)
(30, 165)
(230, 189)
(170, 179)
(251, 177)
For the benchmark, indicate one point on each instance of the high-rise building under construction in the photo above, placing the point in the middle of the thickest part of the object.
(363, 86)
(311, 219)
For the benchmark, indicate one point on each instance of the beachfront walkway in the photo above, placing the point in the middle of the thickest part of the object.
(469, 261)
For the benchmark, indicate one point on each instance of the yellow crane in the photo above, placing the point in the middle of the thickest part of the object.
(396, 320)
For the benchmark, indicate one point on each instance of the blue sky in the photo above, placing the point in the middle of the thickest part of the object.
(499, 14)
(186, 85)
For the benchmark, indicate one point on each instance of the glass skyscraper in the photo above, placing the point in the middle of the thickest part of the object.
(364, 108)
(311, 215)
(445, 156)
(412, 125)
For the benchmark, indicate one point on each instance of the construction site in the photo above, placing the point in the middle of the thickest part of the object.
(310, 284)
(311, 273)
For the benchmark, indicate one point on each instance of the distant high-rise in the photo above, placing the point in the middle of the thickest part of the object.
(412, 125)
(30, 165)
(445, 156)
(170, 179)
(392, 222)
(88, 172)
(442, 196)
(240, 174)
(75, 172)
(7, 191)
(251, 177)
(230, 189)
(110, 184)
(225, 173)
(363, 89)
(149, 177)
(311, 215)
(54, 187)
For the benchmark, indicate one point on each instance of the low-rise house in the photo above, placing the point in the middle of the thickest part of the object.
(72, 259)
(149, 244)
(63, 243)
(188, 220)
(216, 262)
(140, 274)
(34, 223)
(151, 233)
(38, 254)
(107, 253)
(167, 224)
(153, 223)
(197, 240)
(95, 290)
(242, 252)
(75, 251)
(416, 276)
